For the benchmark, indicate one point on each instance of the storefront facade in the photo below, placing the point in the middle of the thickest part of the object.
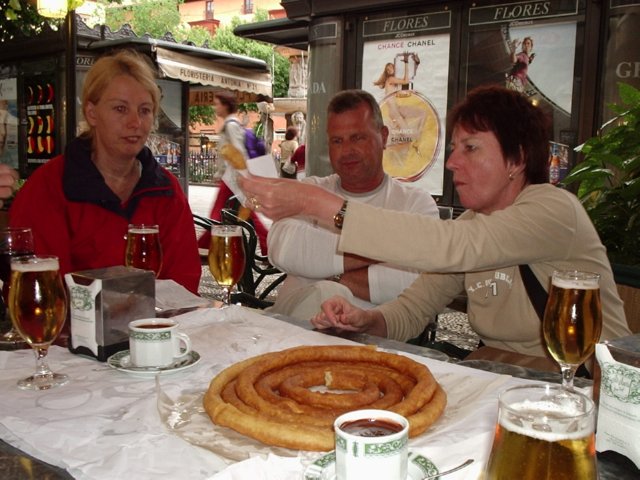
(41, 82)
(576, 53)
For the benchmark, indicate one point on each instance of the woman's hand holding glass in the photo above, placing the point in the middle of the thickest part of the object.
(572, 320)
(38, 305)
(227, 257)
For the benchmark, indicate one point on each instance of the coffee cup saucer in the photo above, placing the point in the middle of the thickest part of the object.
(324, 467)
(122, 361)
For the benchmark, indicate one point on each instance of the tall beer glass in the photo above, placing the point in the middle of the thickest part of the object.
(572, 320)
(143, 248)
(14, 242)
(38, 304)
(226, 257)
(544, 432)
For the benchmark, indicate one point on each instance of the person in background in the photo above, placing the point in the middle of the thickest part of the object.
(80, 203)
(232, 132)
(299, 159)
(287, 148)
(8, 180)
(498, 158)
(315, 269)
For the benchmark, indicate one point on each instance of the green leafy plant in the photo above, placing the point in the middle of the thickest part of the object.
(609, 179)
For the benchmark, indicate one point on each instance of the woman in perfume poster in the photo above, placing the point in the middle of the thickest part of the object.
(517, 77)
(390, 83)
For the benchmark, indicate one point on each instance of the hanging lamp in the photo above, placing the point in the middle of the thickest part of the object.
(53, 8)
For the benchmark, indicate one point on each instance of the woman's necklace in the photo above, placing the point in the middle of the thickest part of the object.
(134, 173)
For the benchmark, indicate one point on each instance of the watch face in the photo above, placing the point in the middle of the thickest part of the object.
(414, 134)
(338, 218)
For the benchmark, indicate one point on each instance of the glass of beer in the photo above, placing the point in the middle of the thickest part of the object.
(226, 257)
(143, 248)
(38, 305)
(14, 242)
(572, 320)
(544, 432)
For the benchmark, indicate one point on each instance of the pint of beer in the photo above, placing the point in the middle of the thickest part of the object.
(38, 305)
(143, 248)
(573, 317)
(544, 432)
(226, 256)
(37, 299)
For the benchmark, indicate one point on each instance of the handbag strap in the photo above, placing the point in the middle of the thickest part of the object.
(537, 294)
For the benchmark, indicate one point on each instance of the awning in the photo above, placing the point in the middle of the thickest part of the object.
(280, 31)
(250, 85)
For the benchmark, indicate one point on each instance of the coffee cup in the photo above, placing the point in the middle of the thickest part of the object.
(371, 444)
(156, 342)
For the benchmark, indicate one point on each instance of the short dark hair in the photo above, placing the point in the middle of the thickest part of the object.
(228, 100)
(351, 99)
(291, 133)
(521, 128)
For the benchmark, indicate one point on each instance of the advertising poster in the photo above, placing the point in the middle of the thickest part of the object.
(533, 52)
(40, 94)
(407, 71)
(9, 122)
(622, 57)
(542, 62)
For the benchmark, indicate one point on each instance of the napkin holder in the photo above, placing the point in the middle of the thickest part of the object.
(617, 391)
(102, 303)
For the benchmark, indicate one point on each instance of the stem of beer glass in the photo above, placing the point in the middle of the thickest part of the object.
(568, 372)
(42, 367)
(227, 295)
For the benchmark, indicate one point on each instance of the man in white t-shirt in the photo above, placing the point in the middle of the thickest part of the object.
(316, 270)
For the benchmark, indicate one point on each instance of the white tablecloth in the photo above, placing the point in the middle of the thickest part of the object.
(105, 424)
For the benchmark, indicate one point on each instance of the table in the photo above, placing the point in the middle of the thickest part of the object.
(105, 423)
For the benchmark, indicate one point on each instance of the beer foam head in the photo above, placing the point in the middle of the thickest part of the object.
(36, 264)
(575, 280)
(143, 230)
(549, 421)
(226, 231)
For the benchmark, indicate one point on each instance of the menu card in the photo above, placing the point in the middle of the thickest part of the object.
(619, 399)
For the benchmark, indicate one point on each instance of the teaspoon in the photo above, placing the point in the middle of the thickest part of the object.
(468, 462)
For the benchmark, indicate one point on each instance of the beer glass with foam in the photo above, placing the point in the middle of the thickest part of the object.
(143, 248)
(226, 257)
(38, 305)
(544, 432)
(572, 320)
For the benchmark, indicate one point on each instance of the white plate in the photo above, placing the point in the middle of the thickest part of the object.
(122, 361)
(324, 468)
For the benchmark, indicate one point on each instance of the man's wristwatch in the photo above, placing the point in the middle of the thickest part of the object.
(336, 278)
(338, 218)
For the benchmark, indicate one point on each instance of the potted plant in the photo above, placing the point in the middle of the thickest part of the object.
(609, 180)
(609, 189)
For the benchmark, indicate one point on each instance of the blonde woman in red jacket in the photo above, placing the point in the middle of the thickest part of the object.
(79, 204)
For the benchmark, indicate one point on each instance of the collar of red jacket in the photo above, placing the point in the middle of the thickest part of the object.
(82, 181)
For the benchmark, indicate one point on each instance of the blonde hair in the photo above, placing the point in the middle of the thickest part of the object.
(123, 62)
